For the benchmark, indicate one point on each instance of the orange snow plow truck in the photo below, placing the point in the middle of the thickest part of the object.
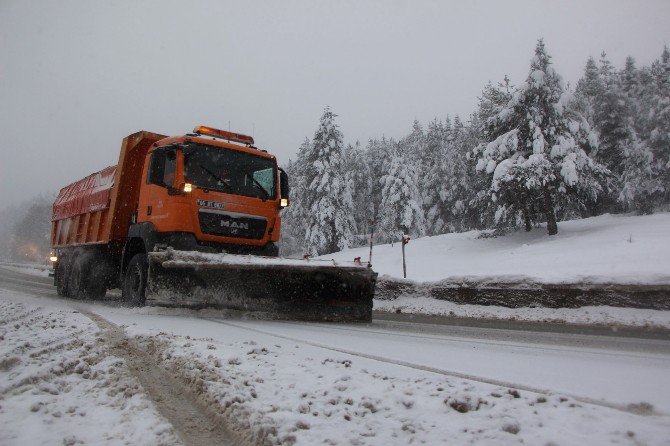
(194, 221)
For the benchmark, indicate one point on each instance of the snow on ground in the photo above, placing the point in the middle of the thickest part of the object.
(606, 249)
(34, 269)
(615, 249)
(594, 315)
(60, 385)
(281, 391)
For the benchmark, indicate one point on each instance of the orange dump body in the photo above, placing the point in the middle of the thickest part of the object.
(81, 209)
(98, 208)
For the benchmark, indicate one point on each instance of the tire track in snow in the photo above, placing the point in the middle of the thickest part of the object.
(632, 408)
(195, 424)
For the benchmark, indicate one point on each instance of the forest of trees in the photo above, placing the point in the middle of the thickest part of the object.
(25, 231)
(535, 152)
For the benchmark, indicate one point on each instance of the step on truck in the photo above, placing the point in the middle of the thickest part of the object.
(194, 221)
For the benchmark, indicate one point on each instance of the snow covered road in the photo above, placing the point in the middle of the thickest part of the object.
(546, 368)
(394, 382)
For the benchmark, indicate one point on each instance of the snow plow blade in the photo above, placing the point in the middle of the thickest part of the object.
(314, 290)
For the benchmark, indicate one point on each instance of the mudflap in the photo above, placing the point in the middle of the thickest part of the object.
(285, 288)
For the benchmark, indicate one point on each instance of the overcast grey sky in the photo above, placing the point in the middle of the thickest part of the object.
(78, 76)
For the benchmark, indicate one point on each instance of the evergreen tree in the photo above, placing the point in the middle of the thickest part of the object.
(482, 208)
(400, 210)
(535, 158)
(413, 146)
(330, 223)
(458, 191)
(589, 89)
(611, 119)
(30, 231)
(432, 177)
(357, 174)
(659, 122)
(295, 216)
(378, 158)
(641, 185)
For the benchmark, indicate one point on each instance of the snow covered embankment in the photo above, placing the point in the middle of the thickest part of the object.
(609, 249)
(60, 385)
(605, 260)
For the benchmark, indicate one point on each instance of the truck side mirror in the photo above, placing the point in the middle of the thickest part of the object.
(283, 187)
(162, 168)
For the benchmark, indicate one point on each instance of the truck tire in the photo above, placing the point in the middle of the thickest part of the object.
(62, 278)
(97, 277)
(135, 280)
(95, 288)
(77, 278)
(82, 282)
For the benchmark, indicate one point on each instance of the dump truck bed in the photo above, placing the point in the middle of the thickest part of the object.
(97, 208)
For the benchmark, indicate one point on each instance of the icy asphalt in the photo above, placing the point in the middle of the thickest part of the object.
(619, 370)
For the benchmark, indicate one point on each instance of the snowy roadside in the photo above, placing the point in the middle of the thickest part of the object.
(591, 315)
(604, 250)
(278, 391)
(609, 249)
(59, 383)
(32, 269)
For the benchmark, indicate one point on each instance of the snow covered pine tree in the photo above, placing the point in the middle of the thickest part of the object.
(327, 195)
(400, 209)
(535, 156)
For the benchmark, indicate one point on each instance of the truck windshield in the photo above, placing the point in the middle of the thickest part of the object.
(230, 171)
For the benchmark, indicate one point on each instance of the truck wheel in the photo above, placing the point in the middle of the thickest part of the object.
(97, 277)
(95, 289)
(135, 280)
(62, 278)
(77, 278)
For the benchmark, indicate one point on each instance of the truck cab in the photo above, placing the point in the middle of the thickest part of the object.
(213, 191)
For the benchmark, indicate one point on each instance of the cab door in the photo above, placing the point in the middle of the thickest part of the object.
(155, 195)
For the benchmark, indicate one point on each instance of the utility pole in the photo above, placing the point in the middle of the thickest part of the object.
(405, 240)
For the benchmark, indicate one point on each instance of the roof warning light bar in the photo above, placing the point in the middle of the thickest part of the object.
(230, 136)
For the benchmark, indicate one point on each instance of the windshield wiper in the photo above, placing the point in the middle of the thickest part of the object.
(218, 178)
(265, 192)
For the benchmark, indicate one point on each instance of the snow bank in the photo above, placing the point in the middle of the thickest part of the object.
(34, 269)
(590, 315)
(606, 249)
(60, 385)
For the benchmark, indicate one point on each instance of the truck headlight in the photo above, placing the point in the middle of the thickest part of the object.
(284, 202)
(188, 187)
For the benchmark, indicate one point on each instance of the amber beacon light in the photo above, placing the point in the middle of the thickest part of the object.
(231, 136)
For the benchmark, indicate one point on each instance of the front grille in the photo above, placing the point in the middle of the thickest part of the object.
(232, 224)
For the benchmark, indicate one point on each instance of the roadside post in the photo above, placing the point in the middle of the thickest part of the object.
(405, 240)
(372, 234)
